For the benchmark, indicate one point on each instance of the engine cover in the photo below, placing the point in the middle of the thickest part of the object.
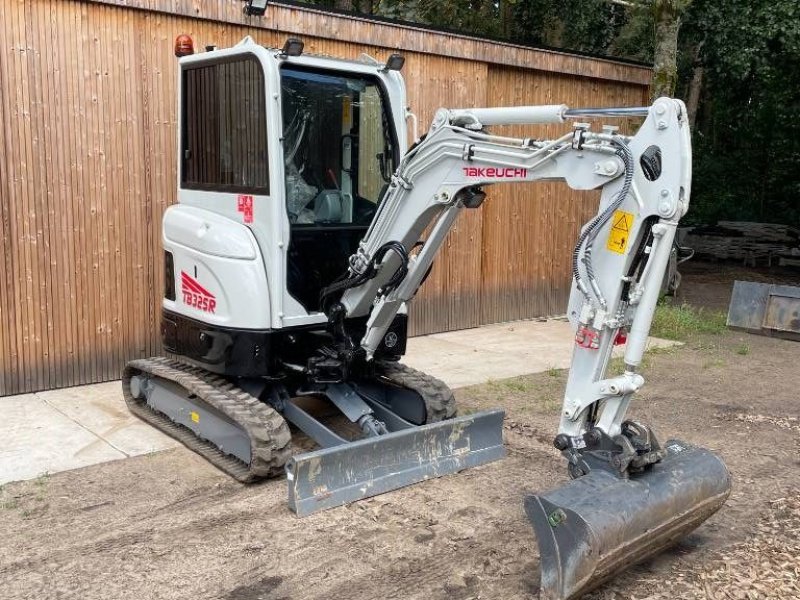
(218, 270)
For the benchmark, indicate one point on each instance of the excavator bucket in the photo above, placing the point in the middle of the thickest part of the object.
(600, 524)
(344, 473)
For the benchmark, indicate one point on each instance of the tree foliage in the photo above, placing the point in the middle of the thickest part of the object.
(747, 153)
(738, 65)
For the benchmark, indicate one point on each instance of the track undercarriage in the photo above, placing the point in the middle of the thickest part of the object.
(405, 425)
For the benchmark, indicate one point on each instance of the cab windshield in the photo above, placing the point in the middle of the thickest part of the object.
(338, 144)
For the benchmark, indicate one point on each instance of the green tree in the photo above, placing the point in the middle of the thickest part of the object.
(579, 25)
(667, 17)
(747, 127)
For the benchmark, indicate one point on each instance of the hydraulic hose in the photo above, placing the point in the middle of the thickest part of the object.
(590, 232)
(401, 271)
(350, 280)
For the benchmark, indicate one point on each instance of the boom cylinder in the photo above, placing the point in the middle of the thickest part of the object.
(640, 328)
(633, 111)
(510, 115)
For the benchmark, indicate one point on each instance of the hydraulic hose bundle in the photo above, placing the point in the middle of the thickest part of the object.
(589, 234)
(351, 279)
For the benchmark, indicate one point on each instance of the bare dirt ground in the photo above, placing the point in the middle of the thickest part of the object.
(171, 526)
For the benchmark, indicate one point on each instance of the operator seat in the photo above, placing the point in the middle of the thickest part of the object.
(328, 207)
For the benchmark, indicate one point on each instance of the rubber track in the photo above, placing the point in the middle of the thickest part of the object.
(440, 403)
(268, 431)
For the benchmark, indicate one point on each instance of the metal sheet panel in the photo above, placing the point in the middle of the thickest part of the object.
(748, 304)
(765, 308)
(783, 309)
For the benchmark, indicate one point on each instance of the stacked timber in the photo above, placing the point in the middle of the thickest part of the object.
(751, 243)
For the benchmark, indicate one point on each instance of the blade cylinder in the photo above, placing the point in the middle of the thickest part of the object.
(599, 524)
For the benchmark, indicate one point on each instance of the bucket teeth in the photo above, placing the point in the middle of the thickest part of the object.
(600, 524)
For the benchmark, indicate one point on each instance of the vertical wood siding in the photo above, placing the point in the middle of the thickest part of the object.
(529, 230)
(87, 167)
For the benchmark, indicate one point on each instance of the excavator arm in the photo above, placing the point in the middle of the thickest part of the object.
(630, 496)
(618, 262)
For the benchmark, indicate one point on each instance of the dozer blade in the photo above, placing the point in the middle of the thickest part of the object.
(599, 524)
(371, 466)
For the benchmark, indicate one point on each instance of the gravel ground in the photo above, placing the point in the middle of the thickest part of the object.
(170, 526)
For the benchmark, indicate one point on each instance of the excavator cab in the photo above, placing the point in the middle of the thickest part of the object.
(298, 149)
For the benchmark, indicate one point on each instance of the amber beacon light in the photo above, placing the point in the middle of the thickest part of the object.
(184, 46)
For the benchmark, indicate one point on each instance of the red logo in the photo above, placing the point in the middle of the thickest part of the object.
(244, 205)
(496, 173)
(196, 296)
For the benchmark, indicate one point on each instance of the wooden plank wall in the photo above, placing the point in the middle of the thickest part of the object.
(87, 167)
(529, 230)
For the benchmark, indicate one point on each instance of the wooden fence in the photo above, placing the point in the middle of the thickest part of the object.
(87, 167)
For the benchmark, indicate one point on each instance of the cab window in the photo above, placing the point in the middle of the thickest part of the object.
(224, 133)
(339, 153)
(339, 149)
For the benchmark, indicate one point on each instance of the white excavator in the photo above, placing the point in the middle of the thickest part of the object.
(304, 227)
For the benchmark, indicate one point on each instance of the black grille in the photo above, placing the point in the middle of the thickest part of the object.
(169, 277)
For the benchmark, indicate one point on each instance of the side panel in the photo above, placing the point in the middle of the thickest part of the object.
(213, 288)
(244, 284)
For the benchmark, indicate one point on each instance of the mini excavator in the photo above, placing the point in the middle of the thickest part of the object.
(304, 227)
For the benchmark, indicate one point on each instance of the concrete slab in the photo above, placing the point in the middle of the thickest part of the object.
(101, 409)
(473, 356)
(38, 439)
(65, 429)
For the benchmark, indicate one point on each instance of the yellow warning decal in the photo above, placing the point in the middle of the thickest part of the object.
(195, 417)
(621, 226)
